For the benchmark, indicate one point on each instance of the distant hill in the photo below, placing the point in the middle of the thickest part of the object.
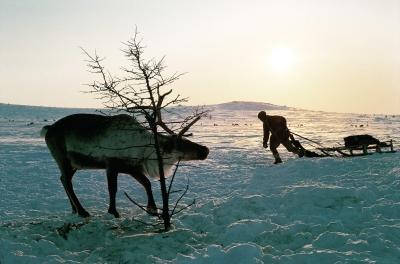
(27, 112)
(248, 106)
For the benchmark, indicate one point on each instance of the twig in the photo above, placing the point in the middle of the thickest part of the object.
(180, 210)
(147, 224)
(141, 206)
(176, 191)
(67, 227)
(177, 201)
(173, 177)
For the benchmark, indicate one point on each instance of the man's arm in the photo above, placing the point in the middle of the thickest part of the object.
(266, 135)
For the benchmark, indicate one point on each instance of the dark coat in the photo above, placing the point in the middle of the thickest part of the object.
(278, 128)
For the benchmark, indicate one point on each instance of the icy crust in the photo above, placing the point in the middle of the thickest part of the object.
(312, 212)
(329, 210)
(308, 211)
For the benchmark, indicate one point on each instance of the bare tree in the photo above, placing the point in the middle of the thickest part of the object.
(142, 91)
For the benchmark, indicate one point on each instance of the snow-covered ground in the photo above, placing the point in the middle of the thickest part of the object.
(320, 210)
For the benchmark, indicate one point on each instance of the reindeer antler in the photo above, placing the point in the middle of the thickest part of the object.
(163, 125)
(198, 113)
(187, 127)
(158, 111)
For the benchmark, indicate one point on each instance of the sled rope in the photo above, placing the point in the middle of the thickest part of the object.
(315, 142)
(319, 144)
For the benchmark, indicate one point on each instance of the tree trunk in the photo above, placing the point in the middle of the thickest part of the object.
(165, 209)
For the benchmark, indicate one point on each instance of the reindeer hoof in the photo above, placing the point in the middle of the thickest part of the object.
(83, 214)
(114, 213)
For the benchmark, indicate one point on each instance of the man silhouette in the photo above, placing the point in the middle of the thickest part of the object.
(280, 134)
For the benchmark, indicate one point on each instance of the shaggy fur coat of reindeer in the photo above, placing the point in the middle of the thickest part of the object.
(118, 144)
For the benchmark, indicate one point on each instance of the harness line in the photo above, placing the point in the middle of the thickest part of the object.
(315, 142)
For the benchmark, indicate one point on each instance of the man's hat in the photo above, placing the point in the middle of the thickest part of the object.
(262, 115)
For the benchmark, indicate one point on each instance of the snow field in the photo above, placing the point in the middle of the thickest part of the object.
(328, 210)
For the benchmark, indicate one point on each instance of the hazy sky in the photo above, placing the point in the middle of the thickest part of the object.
(332, 55)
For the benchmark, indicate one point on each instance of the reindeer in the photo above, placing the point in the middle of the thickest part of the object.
(118, 144)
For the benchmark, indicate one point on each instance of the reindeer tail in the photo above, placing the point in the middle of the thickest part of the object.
(43, 132)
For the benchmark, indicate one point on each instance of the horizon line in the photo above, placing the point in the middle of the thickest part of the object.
(234, 101)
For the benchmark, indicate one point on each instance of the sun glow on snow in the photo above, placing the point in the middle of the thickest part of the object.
(281, 59)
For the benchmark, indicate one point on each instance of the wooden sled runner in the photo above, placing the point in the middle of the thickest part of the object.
(360, 145)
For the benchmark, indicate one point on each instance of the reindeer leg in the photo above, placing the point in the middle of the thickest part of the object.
(112, 190)
(69, 198)
(67, 172)
(143, 180)
(56, 146)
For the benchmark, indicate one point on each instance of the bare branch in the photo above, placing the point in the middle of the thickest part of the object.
(179, 199)
(141, 206)
(173, 177)
(183, 208)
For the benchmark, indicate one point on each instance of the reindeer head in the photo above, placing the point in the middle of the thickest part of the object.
(177, 146)
(183, 149)
(180, 148)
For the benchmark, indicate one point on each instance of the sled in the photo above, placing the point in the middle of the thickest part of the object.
(360, 145)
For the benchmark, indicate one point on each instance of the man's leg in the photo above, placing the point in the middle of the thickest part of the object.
(297, 148)
(293, 146)
(289, 145)
(274, 143)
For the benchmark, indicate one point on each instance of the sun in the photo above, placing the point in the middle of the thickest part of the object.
(281, 59)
